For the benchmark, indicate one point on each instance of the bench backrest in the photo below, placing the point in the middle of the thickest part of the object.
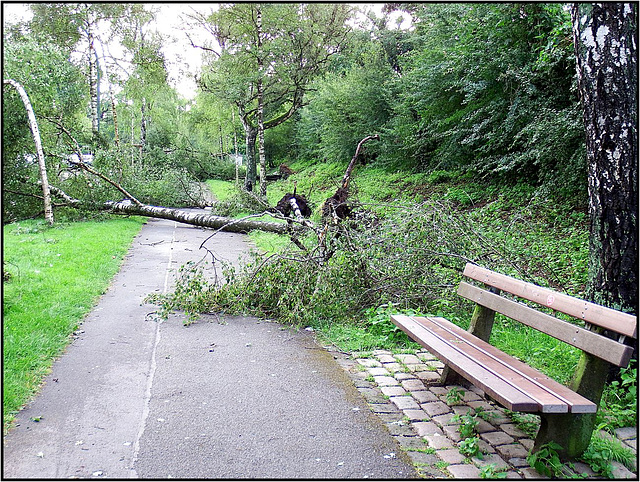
(615, 352)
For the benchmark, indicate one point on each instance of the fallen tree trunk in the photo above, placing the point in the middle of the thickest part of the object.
(198, 218)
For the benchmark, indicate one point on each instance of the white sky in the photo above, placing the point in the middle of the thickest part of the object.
(183, 60)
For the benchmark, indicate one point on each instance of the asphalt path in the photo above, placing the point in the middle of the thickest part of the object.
(226, 397)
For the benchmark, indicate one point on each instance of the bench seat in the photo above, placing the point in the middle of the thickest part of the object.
(511, 382)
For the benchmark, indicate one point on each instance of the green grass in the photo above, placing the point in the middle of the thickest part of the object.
(56, 275)
(222, 190)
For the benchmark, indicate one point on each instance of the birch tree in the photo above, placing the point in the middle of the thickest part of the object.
(605, 38)
(76, 25)
(35, 132)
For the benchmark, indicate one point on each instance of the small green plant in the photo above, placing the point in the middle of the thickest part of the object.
(468, 423)
(470, 447)
(547, 460)
(491, 472)
(454, 396)
(191, 294)
(381, 325)
(425, 450)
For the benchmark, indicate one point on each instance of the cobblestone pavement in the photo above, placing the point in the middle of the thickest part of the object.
(402, 390)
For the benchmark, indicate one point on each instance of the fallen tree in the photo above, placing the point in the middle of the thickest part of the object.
(205, 220)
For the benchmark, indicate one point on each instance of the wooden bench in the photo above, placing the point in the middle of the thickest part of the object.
(520, 388)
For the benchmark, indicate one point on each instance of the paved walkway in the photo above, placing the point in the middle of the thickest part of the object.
(227, 397)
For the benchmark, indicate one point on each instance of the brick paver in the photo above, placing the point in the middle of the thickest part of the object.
(426, 428)
(383, 381)
(497, 438)
(418, 416)
(404, 402)
(464, 471)
(393, 391)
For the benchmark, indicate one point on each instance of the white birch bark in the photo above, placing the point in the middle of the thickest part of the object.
(35, 132)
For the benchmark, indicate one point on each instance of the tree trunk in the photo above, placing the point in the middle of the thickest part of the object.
(93, 88)
(114, 113)
(605, 38)
(143, 126)
(250, 134)
(35, 132)
(260, 88)
(606, 62)
(235, 144)
(198, 219)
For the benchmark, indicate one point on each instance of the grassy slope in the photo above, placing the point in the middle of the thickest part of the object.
(57, 274)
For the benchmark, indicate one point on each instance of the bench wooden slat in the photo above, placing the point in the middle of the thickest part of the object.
(495, 386)
(576, 403)
(607, 318)
(498, 364)
(596, 344)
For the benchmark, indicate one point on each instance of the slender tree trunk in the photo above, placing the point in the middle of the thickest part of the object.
(261, 152)
(220, 139)
(93, 87)
(260, 87)
(143, 126)
(605, 37)
(235, 144)
(35, 132)
(114, 113)
(250, 133)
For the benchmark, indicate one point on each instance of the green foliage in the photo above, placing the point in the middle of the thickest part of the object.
(603, 450)
(468, 423)
(470, 447)
(547, 461)
(357, 100)
(192, 294)
(55, 89)
(489, 87)
(491, 472)
(380, 325)
(526, 422)
(454, 396)
(619, 405)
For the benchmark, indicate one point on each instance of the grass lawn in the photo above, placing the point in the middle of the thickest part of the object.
(222, 190)
(56, 275)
